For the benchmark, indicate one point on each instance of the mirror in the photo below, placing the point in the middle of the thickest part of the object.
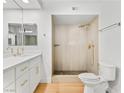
(14, 34)
(12, 18)
(30, 34)
(20, 33)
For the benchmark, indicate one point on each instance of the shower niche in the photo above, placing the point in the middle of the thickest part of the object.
(74, 44)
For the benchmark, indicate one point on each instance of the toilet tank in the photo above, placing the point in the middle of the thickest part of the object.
(108, 72)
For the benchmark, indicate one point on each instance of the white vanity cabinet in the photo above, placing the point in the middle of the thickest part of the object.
(10, 88)
(8, 77)
(24, 77)
(9, 81)
(22, 83)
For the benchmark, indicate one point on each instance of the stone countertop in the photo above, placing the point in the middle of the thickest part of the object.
(11, 61)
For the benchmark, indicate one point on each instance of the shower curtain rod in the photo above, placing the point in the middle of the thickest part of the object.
(116, 24)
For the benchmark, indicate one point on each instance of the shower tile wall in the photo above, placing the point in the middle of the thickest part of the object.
(72, 54)
(92, 64)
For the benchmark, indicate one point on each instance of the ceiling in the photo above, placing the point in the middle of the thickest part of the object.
(76, 0)
(38, 4)
(54, 4)
(73, 19)
(17, 4)
(10, 5)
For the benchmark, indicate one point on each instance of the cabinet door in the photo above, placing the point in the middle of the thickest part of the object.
(22, 84)
(8, 77)
(35, 76)
(10, 89)
(21, 69)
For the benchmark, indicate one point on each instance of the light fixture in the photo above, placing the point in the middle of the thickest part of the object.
(4, 1)
(25, 1)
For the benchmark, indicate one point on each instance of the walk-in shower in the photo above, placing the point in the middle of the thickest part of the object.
(75, 44)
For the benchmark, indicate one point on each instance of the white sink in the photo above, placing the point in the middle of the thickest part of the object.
(10, 60)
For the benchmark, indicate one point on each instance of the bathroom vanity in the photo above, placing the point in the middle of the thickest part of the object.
(21, 74)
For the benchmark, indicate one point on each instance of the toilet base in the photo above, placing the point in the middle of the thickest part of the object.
(101, 88)
(88, 89)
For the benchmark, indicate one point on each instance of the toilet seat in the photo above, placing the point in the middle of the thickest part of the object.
(91, 78)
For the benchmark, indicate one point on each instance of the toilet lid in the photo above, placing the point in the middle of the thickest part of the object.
(89, 76)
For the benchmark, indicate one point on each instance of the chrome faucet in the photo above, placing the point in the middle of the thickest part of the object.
(10, 49)
(17, 52)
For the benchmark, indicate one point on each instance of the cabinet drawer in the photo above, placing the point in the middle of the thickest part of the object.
(10, 89)
(22, 83)
(8, 77)
(21, 69)
(35, 60)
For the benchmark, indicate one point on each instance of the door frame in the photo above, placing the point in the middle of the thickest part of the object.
(52, 38)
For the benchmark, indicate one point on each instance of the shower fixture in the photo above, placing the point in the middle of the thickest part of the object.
(91, 48)
(86, 25)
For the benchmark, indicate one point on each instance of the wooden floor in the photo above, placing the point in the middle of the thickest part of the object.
(60, 88)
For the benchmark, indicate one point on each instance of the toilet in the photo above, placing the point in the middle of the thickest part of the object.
(98, 83)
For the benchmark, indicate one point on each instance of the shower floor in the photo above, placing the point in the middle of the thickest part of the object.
(66, 76)
(68, 72)
(65, 79)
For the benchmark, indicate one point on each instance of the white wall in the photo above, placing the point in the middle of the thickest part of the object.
(111, 41)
